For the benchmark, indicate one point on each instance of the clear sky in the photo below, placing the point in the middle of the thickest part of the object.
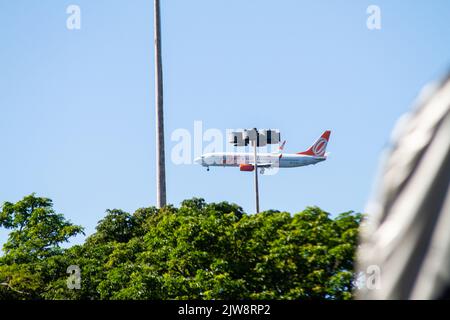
(77, 106)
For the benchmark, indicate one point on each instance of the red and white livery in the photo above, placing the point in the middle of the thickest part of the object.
(246, 161)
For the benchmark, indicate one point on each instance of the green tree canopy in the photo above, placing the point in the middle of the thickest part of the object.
(196, 251)
(35, 238)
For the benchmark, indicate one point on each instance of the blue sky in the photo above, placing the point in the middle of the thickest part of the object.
(77, 107)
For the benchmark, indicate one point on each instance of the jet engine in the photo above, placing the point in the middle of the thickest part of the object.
(246, 167)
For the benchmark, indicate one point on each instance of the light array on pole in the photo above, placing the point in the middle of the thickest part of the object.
(262, 137)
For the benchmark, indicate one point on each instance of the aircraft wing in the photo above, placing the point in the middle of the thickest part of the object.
(263, 165)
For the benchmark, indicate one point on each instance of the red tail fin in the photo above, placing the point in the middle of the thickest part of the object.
(319, 147)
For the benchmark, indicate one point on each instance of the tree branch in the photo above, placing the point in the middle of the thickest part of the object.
(5, 284)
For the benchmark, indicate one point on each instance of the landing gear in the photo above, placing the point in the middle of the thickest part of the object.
(262, 171)
(207, 168)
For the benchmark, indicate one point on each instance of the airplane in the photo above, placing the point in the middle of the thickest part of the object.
(246, 161)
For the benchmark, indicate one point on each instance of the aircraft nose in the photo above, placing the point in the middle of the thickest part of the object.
(198, 160)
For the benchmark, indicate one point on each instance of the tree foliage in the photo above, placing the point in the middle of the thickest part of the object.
(196, 251)
(33, 244)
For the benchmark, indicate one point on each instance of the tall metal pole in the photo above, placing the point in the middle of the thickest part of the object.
(160, 151)
(255, 143)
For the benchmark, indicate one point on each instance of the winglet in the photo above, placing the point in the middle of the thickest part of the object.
(280, 149)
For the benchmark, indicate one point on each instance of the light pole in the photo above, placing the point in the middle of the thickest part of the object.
(160, 151)
(255, 145)
(259, 138)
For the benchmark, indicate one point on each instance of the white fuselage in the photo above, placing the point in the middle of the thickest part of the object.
(268, 160)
